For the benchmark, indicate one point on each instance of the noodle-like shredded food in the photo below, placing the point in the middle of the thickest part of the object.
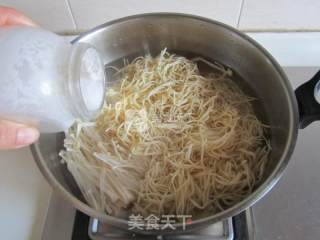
(169, 141)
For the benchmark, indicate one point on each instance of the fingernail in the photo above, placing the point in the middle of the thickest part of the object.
(27, 136)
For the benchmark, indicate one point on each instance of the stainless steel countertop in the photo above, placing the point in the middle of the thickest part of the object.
(291, 211)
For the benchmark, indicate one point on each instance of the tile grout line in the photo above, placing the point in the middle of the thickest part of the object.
(74, 23)
(271, 30)
(240, 13)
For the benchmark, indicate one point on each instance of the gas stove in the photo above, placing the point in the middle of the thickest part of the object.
(64, 222)
(224, 230)
(290, 211)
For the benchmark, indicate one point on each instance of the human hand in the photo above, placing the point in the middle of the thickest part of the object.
(10, 16)
(15, 135)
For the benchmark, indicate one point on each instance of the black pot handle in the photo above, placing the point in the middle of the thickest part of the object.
(309, 107)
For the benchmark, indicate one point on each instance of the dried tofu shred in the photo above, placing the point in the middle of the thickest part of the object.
(169, 141)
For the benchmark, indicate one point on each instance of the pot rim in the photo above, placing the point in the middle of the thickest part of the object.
(264, 188)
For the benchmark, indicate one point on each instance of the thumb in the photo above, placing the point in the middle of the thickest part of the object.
(10, 16)
(15, 135)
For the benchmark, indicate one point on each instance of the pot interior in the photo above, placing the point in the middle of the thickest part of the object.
(256, 73)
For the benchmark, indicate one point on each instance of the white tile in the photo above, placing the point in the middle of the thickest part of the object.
(52, 15)
(293, 49)
(280, 15)
(91, 13)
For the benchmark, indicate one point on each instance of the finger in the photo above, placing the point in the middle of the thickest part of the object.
(10, 16)
(15, 135)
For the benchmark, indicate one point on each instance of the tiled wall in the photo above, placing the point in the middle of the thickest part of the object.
(71, 16)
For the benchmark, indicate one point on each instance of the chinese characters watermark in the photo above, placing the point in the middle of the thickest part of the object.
(153, 222)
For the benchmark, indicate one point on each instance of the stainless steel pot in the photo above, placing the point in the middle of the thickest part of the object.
(195, 36)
